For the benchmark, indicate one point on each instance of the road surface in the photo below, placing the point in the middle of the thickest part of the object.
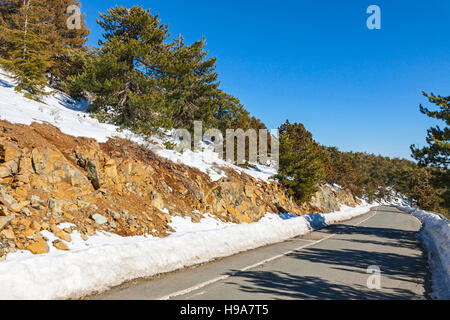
(328, 264)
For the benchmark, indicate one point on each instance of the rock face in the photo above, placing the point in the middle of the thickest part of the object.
(47, 178)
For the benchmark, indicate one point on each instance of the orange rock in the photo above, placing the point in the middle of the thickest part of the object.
(26, 223)
(90, 230)
(3, 211)
(38, 247)
(232, 211)
(28, 233)
(61, 234)
(68, 216)
(58, 244)
(35, 226)
(8, 234)
(243, 218)
(19, 245)
(45, 226)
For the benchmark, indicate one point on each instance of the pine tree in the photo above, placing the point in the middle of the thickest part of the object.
(190, 83)
(67, 44)
(8, 8)
(421, 190)
(438, 151)
(123, 73)
(301, 167)
(343, 169)
(47, 31)
(28, 57)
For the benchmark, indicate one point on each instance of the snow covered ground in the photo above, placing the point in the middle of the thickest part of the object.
(435, 235)
(107, 260)
(71, 118)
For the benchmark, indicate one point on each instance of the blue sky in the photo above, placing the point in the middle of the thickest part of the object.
(317, 63)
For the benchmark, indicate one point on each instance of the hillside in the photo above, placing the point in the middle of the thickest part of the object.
(63, 194)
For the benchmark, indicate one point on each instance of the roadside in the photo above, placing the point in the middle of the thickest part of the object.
(327, 264)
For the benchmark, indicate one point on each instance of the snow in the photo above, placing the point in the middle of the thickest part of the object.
(71, 118)
(435, 236)
(106, 260)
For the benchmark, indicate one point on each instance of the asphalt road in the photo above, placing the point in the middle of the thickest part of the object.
(328, 264)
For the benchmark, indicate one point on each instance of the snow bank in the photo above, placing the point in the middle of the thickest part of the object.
(435, 235)
(107, 260)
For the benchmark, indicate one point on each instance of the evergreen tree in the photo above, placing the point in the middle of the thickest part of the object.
(422, 192)
(67, 44)
(36, 41)
(438, 151)
(123, 73)
(343, 169)
(142, 81)
(8, 9)
(28, 56)
(190, 83)
(301, 167)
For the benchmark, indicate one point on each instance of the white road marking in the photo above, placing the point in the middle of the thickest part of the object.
(206, 283)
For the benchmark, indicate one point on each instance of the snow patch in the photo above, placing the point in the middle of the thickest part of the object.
(435, 236)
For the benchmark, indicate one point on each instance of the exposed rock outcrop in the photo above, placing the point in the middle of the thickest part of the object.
(47, 178)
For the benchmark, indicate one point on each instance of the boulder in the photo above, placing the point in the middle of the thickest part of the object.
(38, 247)
(99, 219)
(36, 202)
(61, 234)
(4, 221)
(55, 206)
(58, 244)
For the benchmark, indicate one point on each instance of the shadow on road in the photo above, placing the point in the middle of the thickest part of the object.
(404, 265)
(394, 237)
(287, 286)
(412, 268)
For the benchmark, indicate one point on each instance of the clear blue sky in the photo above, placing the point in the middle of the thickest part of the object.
(316, 62)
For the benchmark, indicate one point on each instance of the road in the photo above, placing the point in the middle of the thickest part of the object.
(328, 264)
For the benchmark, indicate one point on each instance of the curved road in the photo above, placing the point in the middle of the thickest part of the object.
(327, 264)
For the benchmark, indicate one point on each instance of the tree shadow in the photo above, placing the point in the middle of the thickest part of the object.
(391, 264)
(71, 104)
(395, 262)
(316, 221)
(5, 84)
(287, 286)
(394, 237)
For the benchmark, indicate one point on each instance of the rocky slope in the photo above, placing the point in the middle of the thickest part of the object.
(48, 178)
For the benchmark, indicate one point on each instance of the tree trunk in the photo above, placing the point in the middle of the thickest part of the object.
(27, 5)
